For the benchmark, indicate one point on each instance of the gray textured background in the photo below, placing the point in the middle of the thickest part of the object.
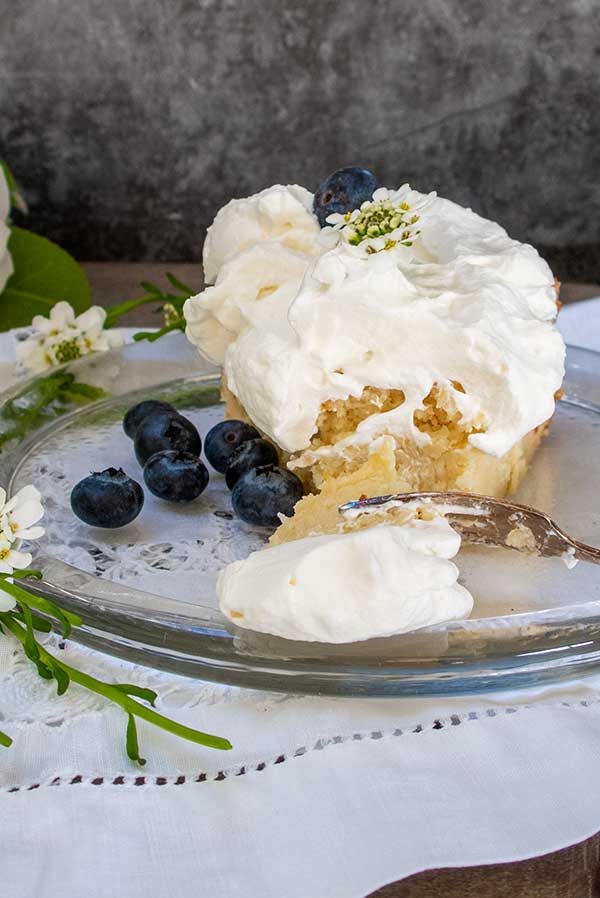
(129, 122)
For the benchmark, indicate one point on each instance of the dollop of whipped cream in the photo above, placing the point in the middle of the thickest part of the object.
(280, 214)
(6, 264)
(347, 587)
(298, 316)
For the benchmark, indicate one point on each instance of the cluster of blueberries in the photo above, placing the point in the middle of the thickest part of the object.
(167, 445)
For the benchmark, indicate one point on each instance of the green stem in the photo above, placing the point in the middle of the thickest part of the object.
(115, 312)
(66, 618)
(132, 707)
(152, 336)
(22, 574)
(120, 698)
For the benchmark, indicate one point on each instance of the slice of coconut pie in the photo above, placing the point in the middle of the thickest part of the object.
(408, 345)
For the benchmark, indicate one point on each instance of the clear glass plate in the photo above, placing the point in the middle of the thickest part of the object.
(146, 592)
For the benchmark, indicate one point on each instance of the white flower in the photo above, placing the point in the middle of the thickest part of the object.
(391, 218)
(18, 519)
(11, 559)
(6, 265)
(19, 515)
(62, 337)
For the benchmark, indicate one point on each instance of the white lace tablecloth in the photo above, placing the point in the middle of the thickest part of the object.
(319, 797)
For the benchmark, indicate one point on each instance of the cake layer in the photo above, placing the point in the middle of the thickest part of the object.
(394, 465)
(384, 472)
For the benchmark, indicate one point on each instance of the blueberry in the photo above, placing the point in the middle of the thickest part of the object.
(137, 413)
(175, 476)
(107, 499)
(223, 439)
(165, 430)
(262, 494)
(343, 191)
(251, 454)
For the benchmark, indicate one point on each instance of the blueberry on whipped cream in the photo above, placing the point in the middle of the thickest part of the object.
(344, 190)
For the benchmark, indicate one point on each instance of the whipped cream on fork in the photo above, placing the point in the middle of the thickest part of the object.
(346, 587)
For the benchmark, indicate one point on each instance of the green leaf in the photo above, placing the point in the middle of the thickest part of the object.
(43, 275)
(37, 395)
(81, 394)
(43, 400)
(32, 653)
(38, 623)
(17, 200)
(65, 618)
(179, 285)
(87, 391)
(61, 676)
(153, 295)
(22, 575)
(25, 635)
(49, 666)
(5, 740)
(151, 288)
(148, 695)
(30, 645)
(32, 648)
(133, 749)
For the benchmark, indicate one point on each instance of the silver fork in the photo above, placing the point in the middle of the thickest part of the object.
(482, 519)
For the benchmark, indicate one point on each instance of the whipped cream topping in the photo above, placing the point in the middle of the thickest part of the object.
(295, 322)
(6, 264)
(280, 213)
(347, 587)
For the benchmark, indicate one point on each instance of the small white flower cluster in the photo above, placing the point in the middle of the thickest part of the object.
(62, 337)
(390, 219)
(18, 519)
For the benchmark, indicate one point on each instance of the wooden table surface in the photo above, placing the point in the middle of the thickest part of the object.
(571, 873)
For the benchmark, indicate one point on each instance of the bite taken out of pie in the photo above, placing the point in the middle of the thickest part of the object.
(408, 345)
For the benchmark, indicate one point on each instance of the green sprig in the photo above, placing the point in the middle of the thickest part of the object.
(66, 619)
(42, 400)
(170, 304)
(22, 622)
(17, 200)
(153, 336)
